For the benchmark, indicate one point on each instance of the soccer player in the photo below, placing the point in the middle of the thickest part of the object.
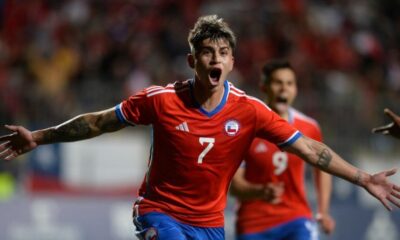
(270, 185)
(202, 128)
(392, 128)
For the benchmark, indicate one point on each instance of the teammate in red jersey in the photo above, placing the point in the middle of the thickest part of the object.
(202, 129)
(287, 215)
(392, 128)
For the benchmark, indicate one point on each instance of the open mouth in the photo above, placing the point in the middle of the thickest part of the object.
(281, 100)
(215, 74)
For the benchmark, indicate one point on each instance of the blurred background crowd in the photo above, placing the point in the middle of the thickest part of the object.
(60, 58)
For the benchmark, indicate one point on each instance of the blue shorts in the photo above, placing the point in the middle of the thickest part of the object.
(154, 225)
(299, 229)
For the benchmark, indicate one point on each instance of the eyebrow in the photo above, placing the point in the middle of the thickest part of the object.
(213, 49)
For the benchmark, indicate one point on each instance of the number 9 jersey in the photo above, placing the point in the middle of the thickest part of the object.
(194, 152)
(265, 163)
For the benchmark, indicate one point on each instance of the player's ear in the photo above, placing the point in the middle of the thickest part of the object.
(233, 63)
(190, 60)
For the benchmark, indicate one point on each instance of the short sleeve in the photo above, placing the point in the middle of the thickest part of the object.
(136, 110)
(271, 127)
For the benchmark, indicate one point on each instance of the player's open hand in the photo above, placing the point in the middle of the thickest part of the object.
(16, 143)
(392, 128)
(326, 222)
(273, 192)
(380, 187)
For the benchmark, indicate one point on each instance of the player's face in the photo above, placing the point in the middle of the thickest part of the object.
(282, 90)
(212, 63)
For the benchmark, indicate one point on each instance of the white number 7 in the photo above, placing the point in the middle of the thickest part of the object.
(210, 142)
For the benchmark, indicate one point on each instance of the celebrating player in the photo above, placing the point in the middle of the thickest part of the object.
(271, 184)
(202, 128)
(392, 128)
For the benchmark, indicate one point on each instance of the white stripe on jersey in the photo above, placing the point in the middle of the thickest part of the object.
(236, 89)
(249, 97)
(170, 85)
(302, 116)
(153, 89)
(169, 89)
(258, 100)
(238, 94)
(160, 91)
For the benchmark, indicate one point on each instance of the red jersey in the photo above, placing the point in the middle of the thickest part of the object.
(195, 153)
(266, 163)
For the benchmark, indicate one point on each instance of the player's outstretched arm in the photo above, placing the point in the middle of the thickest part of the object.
(84, 126)
(245, 190)
(324, 158)
(392, 128)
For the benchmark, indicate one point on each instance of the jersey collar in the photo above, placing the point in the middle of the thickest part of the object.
(290, 115)
(220, 105)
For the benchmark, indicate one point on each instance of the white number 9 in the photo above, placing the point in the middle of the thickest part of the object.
(280, 162)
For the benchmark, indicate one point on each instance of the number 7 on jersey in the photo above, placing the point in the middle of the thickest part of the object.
(210, 145)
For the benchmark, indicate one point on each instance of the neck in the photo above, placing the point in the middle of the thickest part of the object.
(208, 98)
(284, 114)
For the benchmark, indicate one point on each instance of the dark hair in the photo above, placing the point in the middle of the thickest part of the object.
(210, 27)
(271, 66)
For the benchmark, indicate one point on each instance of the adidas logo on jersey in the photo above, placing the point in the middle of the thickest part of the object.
(183, 127)
(261, 148)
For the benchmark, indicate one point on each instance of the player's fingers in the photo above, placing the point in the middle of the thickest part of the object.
(326, 225)
(386, 132)
(382, 129)
(11, 156)
(5, 152)
(333, 226)
(395, 194)
(276, 201)
(278, 192)
(393, 200)
(4, 145)
(390, 172)
(275, 184)
(328, 229)
(6, 137)
(387, 206)
(397, 188)
(391, 114)
(281, 184)
(274, 189)
(11, 127)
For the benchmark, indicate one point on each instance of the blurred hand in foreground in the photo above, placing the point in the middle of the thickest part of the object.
(392, 128)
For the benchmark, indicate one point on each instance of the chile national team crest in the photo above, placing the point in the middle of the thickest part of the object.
(231, 127)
